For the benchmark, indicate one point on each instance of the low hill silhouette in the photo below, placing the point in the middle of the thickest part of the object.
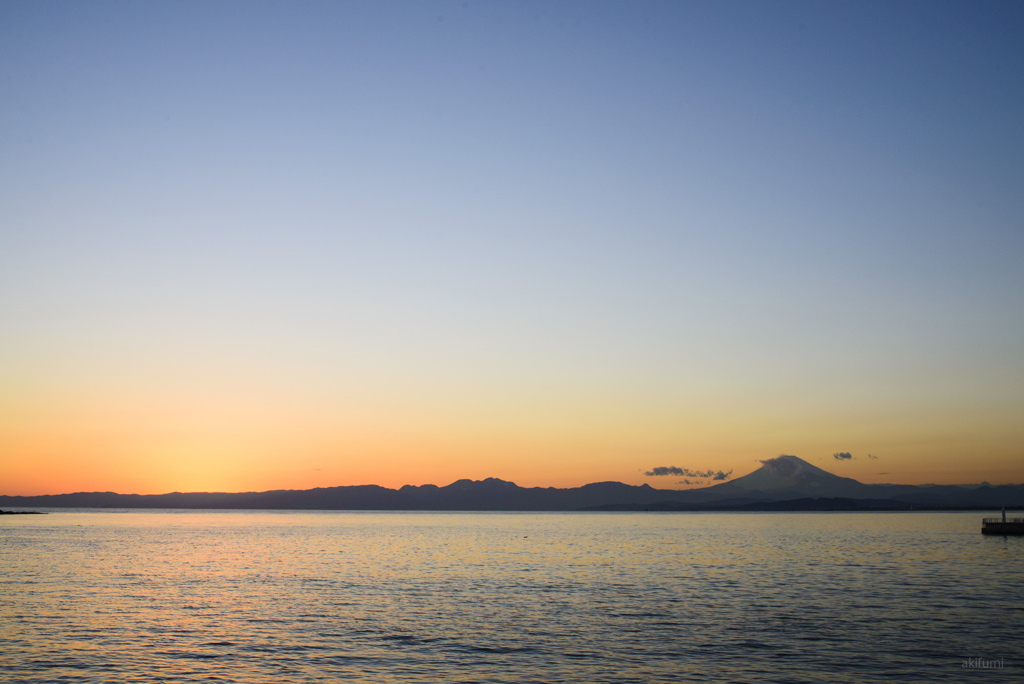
(781, 483)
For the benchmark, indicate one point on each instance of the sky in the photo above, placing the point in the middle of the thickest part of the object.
(283, 245)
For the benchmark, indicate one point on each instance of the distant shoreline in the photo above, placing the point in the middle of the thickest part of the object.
(785, 483)
(798, 506)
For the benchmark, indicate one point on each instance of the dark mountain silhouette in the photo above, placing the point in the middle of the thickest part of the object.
(789, 479)
(786, 477)
(782, 483)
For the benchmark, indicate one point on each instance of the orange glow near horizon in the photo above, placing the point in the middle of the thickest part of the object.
(175, 445)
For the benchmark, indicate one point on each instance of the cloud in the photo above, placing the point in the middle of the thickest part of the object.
(686, 472)
(843, 456)
(667, 470)
(872, 457)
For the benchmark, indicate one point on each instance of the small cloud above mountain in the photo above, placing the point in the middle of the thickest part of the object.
(843, 456)
(687, 472)
(667, 470)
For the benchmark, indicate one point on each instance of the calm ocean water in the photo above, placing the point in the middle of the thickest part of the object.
(261, 596)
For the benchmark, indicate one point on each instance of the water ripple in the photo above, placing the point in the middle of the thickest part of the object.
(246, 597)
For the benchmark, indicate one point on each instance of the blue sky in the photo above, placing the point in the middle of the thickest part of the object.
(558, 241)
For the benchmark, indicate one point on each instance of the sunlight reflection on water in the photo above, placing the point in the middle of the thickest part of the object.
(255, 596)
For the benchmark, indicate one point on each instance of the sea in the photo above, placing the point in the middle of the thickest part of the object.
(340, 596)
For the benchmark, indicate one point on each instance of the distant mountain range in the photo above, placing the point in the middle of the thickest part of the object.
(782, 483)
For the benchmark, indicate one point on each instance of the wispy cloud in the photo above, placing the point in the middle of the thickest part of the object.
(687, 472)
(843, 456)
(872, 457)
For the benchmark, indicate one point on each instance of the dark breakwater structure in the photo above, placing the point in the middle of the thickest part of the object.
(1002, 525)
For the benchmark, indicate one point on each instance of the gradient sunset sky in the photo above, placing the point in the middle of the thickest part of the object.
(249, 246)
